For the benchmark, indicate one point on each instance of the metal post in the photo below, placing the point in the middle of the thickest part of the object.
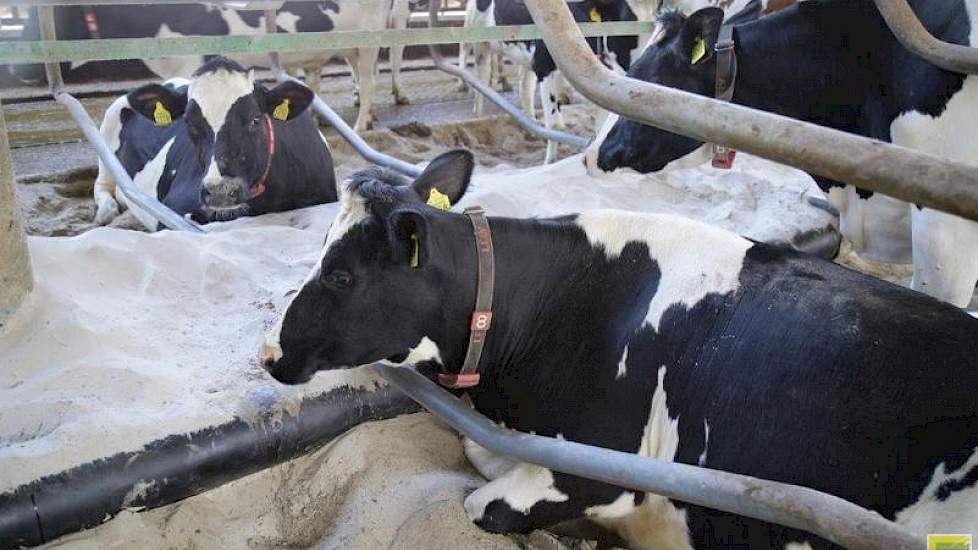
(906, 174)
(899, 16)
(492, 95)
(825, 515)
(16, 280)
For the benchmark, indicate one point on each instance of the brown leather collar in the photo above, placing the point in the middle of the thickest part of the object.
(481, 318)
(726, 79)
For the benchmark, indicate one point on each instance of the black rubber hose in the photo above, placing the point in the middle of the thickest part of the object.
(180, 466)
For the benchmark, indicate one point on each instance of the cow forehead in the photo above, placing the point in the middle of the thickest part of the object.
(215, 92)
(353, 211)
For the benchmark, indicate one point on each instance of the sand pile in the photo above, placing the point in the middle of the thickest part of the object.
(131, 336)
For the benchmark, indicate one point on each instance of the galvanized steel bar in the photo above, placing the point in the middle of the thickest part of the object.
(899, 16)
(825, 515)
(146, 48)
(480, 87)
(903, 173)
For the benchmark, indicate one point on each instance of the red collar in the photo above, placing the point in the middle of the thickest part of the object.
(481, 318)
(258, 187)
(726, 78)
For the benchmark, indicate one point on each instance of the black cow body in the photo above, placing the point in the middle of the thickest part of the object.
(835, 63)
(659, 336)
(224, 153)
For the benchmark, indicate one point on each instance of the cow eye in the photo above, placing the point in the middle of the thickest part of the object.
(256, 121)
(338, 278)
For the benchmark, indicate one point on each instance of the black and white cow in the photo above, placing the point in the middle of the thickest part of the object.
(835, 62)
(216, 147)
(655, 335)
(168, 20)
(534, 61)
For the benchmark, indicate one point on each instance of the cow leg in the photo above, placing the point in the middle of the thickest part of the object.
(367, 73)
(945, 255)
(528, 89)
(400, 12)
(463, 59)
(551, 114)
(499, 72)
(313, 74)
(483, 71)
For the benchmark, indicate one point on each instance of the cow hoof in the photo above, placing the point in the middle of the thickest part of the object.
(462, 87)
(401, 99)
(107, 212)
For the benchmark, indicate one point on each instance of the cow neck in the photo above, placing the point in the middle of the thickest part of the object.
(725, 82)
(258, 187)
(481, 319)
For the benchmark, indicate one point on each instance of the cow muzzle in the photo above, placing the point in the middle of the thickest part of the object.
(224, 199)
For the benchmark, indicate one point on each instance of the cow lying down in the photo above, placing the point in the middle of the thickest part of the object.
(656, 335)
(216, 147)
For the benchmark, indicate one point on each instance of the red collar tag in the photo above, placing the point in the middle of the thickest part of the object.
(723, 157)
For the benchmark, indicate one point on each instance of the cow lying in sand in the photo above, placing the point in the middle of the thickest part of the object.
(216, 147)
(655, 335)
(819, 61)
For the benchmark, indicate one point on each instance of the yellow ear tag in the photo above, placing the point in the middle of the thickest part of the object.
(439, 200)
(161, 117)
(595, 14)
(282, 111)
(699, 50)
(415, 250)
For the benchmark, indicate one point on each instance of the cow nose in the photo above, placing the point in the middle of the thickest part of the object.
(204, 194)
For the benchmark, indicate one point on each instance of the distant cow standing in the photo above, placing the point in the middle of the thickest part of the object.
(835, 63)
(216, 147)
(168, 20)
(654, 335)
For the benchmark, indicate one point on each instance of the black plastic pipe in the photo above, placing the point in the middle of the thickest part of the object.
(183, 465)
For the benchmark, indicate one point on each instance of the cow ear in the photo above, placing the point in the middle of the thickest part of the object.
(408, 230)
(447, 175)
(158, 103)
(699, 34)
(287, 100)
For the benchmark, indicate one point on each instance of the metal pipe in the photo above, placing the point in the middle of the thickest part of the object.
(16, 276)
(492, 95)
(335, 120)
(179, 466)
(906, 174)
(825, 515)
(905, 25)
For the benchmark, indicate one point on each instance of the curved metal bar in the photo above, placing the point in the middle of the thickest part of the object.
(906, 174)
(899, 16)
(825, 515)
(335, 120)
(481, 87)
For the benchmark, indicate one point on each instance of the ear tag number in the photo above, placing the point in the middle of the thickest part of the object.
(282, 111)
(699, 50)
(415, 251)
(439, 200)
(594, 14)
(161, 117)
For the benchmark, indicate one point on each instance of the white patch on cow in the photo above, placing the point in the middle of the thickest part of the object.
(426, 350)
(661, 437)
(956, 514)
(706, 442)
(695, 259)
(520, 488)
(491, 465)
(147, 180)
(619, 508)
(797, 546)
(213, 174)
(591, 153)
(622, 366)
(215, 92)
(654, 525)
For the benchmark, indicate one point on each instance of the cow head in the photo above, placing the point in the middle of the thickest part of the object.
(381, 289)
(230, 120)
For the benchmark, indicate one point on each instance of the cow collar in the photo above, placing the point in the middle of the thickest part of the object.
(726, 79)
(258, 187)
(481, 318)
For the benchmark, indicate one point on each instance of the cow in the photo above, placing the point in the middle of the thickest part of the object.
(169, 20)
(655, 335)
(216, 147)
(819, 61)
(534, 61)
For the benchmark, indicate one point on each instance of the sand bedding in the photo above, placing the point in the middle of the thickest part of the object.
(131, 336)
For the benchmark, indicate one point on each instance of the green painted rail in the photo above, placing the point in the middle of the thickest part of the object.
(146, 48)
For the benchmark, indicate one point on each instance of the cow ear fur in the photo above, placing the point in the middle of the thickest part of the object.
(158, 103)
(287, 100)
(449, 173)
(703, 25)
(408, 230)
